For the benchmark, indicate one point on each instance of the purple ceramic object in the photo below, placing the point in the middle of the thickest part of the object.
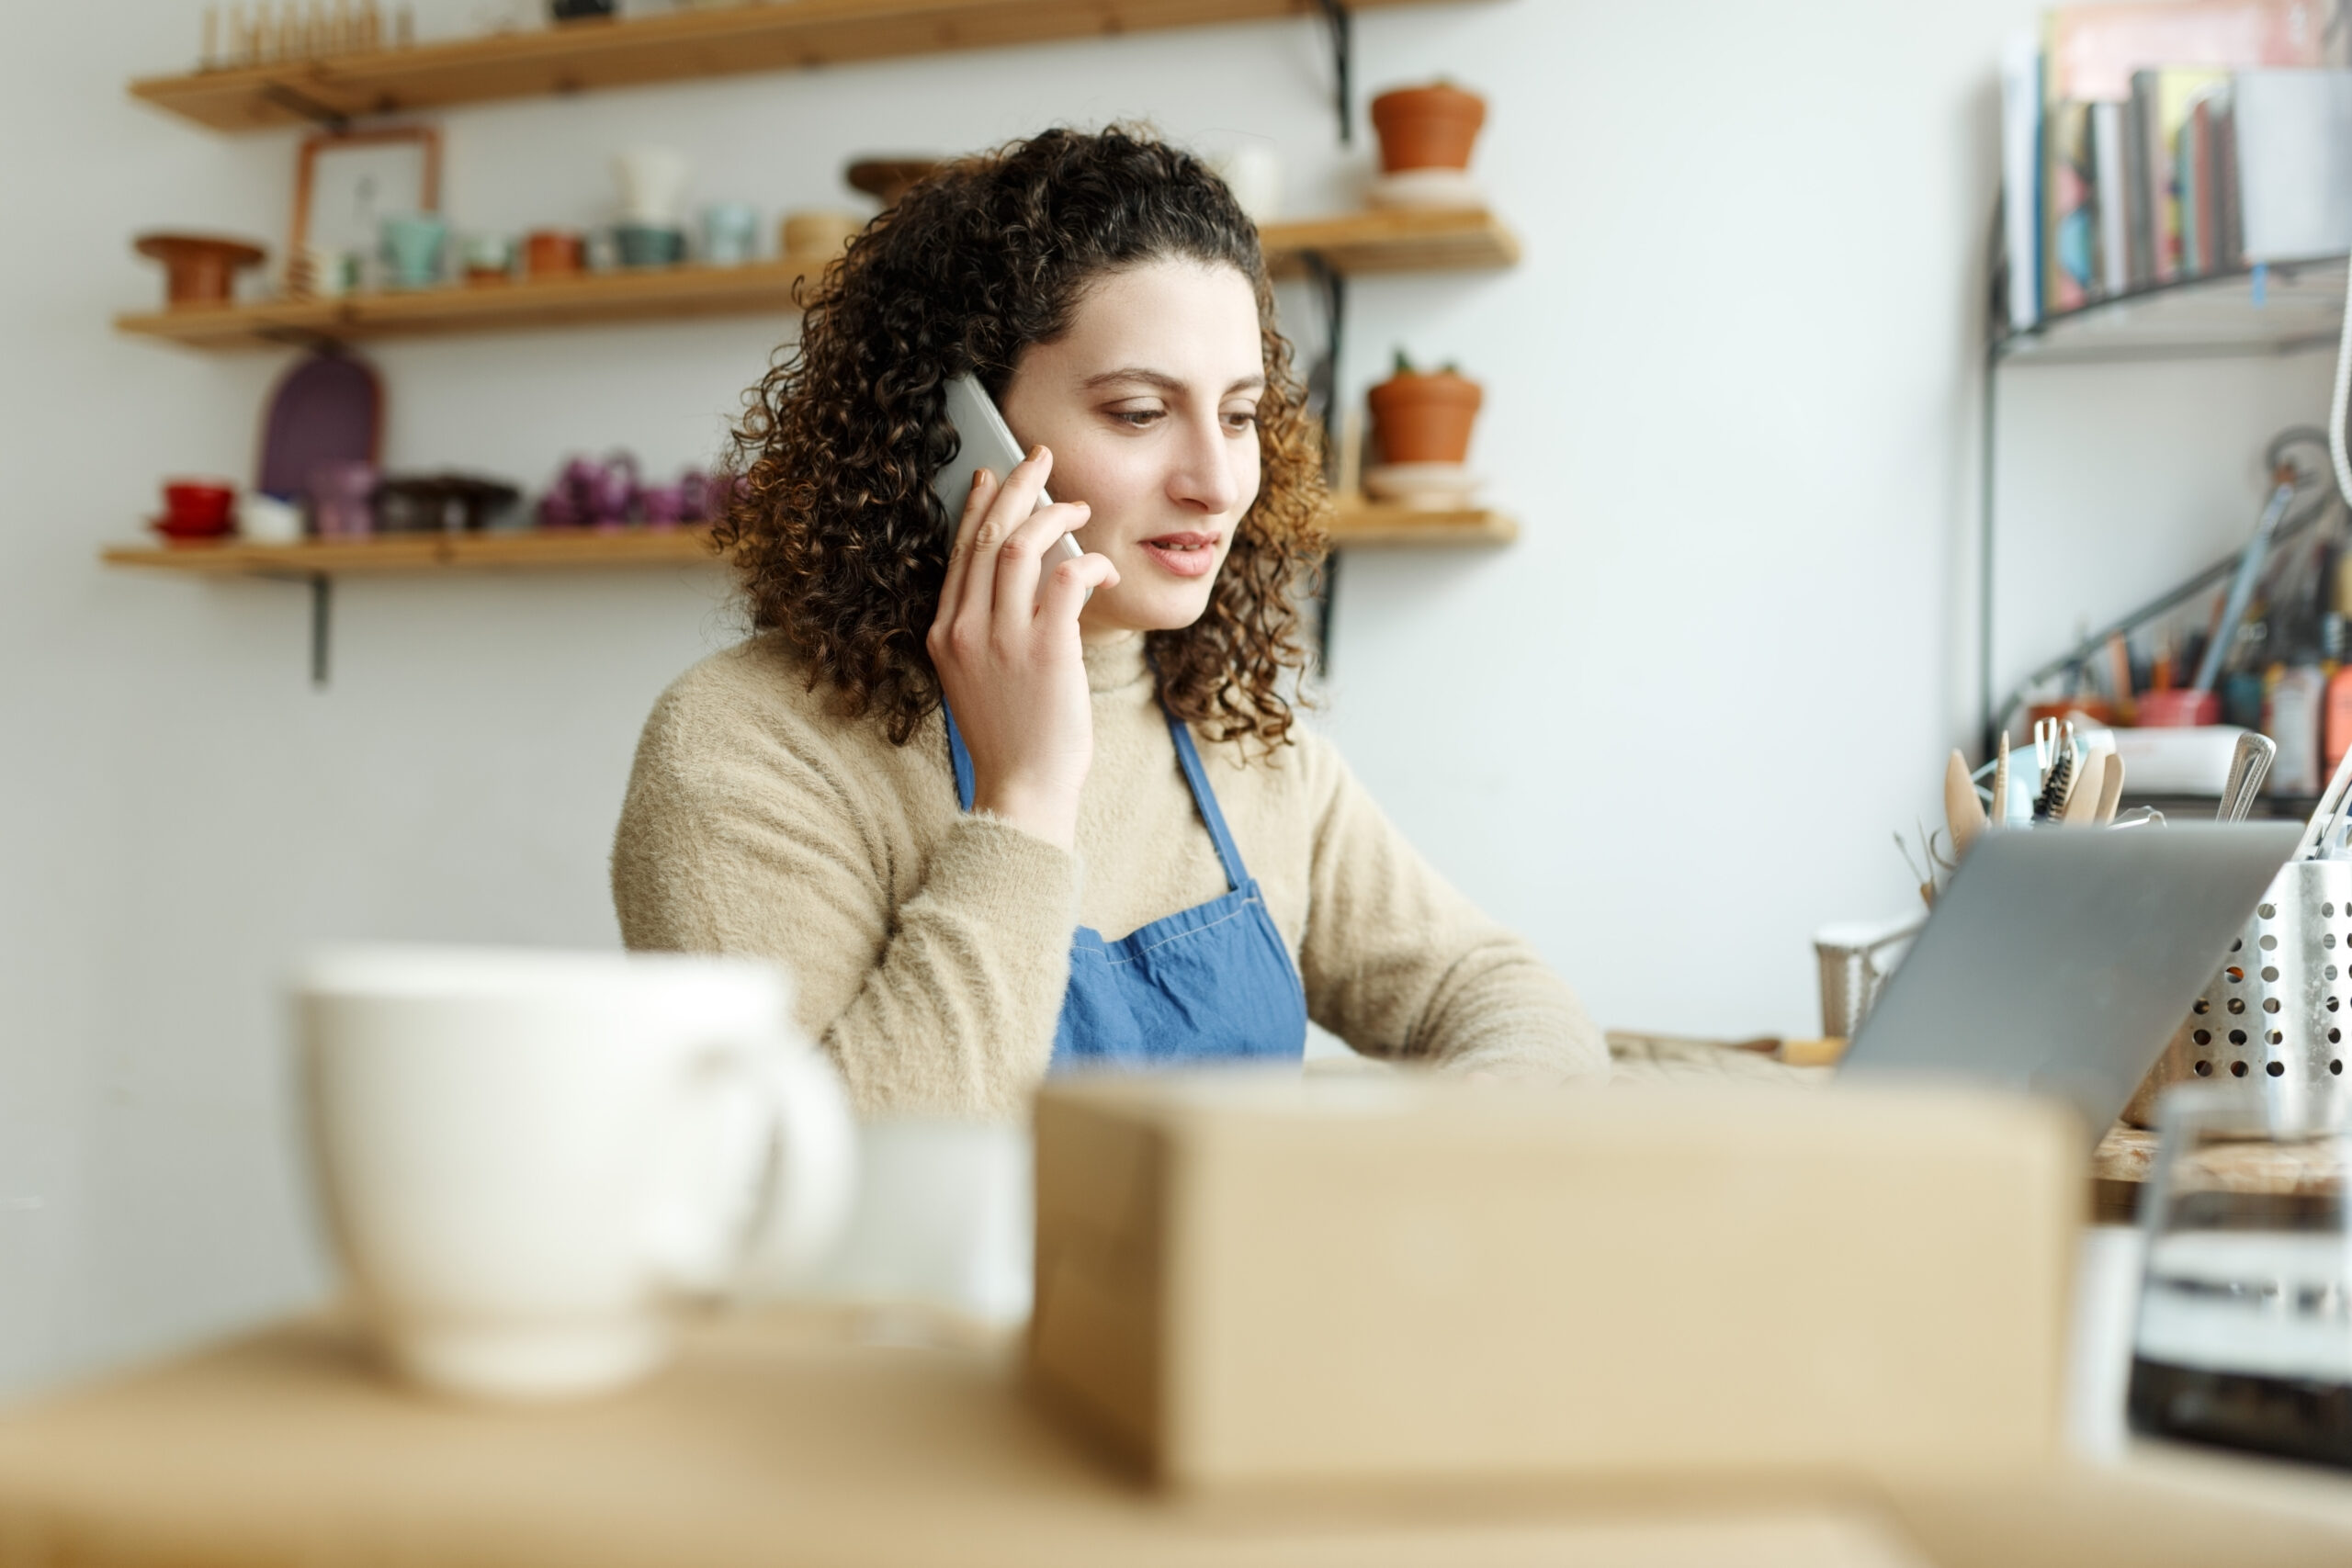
(662, 505)
(614, 491)
(329, 408)
(340, 492)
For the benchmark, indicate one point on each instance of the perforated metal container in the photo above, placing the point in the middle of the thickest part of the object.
(2279, 1012)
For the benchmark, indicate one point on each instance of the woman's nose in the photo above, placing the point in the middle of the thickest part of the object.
(1204, 476)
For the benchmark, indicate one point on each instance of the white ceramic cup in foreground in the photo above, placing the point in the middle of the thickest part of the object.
(944, 1217)
(527, 1158)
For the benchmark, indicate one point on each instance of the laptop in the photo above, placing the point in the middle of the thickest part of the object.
(2060, 962)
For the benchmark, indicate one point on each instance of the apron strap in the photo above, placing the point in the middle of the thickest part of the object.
(1205, 801)
(958, 758)
(1188, 757)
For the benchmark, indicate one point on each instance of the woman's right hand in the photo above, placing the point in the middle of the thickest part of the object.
(1008, 654)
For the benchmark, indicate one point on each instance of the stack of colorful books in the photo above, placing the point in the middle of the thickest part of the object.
(2145, 143)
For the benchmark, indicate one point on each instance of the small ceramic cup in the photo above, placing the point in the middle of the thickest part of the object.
(412, 246)
(552, 253)
(1254, 175)
(268, 520)
(488, 258)
(819, 233)
(730, 233)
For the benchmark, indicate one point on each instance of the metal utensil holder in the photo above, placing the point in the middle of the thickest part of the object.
(2277, 1013)
(1851, 976)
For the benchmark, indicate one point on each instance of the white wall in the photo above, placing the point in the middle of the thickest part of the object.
(1731, 395)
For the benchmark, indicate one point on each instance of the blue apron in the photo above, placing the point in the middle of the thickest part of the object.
(1213, 983)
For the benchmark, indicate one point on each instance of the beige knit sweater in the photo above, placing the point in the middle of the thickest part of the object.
(931, 947)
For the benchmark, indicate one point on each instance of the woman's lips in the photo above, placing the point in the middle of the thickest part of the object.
(1184, 555)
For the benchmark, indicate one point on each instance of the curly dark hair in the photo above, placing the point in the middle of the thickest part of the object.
(840, 542)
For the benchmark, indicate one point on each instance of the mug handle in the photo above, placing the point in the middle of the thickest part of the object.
(771, 1198)
(809, 1176)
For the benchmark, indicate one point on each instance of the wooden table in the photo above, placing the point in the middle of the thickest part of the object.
(781, 1440)
(2120, 1165)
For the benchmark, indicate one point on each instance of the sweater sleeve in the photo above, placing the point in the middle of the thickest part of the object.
(744, 834)
(1400, 966)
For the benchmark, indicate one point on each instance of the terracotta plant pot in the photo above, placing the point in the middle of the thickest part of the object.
(1424, 419)
(1427, 128)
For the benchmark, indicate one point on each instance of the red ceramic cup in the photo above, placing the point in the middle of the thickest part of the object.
(194, 506)
(2178, 709)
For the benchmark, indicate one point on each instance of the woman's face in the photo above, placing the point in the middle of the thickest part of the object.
(1149, 404)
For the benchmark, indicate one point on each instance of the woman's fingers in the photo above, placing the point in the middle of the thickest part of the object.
(1008, 503)
(1069, 583)
(1018, 558)
(959, 552)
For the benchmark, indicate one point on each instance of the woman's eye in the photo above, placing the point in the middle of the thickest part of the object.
(1239, 420)
(1139, 418)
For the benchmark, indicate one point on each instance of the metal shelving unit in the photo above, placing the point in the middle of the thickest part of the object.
(2282, 308)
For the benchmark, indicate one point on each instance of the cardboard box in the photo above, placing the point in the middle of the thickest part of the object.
(1248, 1279)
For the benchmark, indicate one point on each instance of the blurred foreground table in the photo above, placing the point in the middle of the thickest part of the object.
(781, 1438)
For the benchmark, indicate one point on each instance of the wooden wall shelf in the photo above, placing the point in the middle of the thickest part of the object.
(688, 46)
(1370, 524)
(404, 554)
(1358, 523)
(1354, 243)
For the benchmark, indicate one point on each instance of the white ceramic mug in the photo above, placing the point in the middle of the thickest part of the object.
(526, 1157)
(653, 185)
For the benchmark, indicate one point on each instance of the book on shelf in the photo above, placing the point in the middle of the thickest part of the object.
(2021, 178)
(2123, 161)
(2295, 161)
(2114, 208)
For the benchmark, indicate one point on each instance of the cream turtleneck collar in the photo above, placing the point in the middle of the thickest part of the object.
(1117, 664)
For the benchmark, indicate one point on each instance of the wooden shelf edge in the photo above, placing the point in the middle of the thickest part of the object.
(640, 51)
(1358, 526)
(424, 553)
(1372, 242)
(1373, 525)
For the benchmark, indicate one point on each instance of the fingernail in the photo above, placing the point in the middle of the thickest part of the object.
(1036, 452)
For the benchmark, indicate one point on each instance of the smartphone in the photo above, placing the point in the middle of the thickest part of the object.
(987, 444)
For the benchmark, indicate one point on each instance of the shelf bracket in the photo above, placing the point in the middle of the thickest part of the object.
(1341, 24)
(321, 625)
(305, 105)
(1330, 286)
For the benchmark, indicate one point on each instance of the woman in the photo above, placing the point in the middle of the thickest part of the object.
(1000, 819)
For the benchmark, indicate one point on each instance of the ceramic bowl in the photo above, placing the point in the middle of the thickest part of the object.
(1424, 487)
(649, 244)
(1445, 190)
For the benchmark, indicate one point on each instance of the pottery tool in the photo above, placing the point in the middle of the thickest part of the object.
(2110, 790)
(2331, 805)
(1963, 813)
(1927, 877)
(2082, 797)
(2249, 765)
(2057, 778)
(2225, 631)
